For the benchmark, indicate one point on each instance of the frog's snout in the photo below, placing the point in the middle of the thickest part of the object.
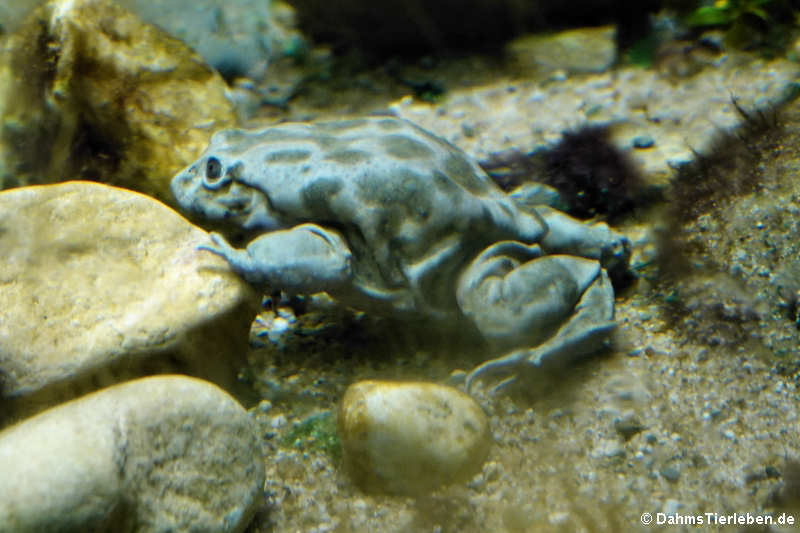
(181, 186)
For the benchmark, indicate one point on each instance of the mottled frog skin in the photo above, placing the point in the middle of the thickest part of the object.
(388, 218)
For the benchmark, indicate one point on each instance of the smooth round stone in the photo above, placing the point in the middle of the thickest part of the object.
(411, 438)
(166, 453)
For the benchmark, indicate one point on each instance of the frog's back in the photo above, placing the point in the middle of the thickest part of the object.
(412, 207)
(380, 147)
(330, 171)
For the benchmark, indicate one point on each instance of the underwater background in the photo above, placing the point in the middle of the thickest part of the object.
(631, 163)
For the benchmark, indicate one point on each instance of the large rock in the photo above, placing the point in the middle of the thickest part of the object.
(240, 36)
(579, 50)
(88, 90)
(102, 284)
(411, 438)
(11, 13)
(158, 454)
(237, 37)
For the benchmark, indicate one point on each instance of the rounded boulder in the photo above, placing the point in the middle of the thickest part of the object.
(166, 453)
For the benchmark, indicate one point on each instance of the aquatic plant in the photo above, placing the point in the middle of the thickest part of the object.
(748, 23)
(317, 433)
(727, 168)
(724, 12)
(642, 52)
(592, 174)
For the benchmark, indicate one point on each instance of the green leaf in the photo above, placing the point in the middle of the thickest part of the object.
(709, 16)
(757, 11)
(642, 52)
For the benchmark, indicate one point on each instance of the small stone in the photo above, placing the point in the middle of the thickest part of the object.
(628, 426)
(456, 377)
(671, 506)
(670, 473)
(643, 141)
(278, 421)
(608, 448)
(166, 453)
(467, 129)
(411, 438)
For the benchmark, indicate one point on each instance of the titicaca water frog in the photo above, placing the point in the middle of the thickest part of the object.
(389, 218)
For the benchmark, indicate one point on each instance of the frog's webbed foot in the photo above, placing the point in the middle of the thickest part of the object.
(221, 247)
(583, 328)
(562, 350)
(567, 235)
(504, 365)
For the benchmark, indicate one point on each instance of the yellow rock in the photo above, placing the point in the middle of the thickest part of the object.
(411, 438)
(579, 50)
(88, 90)
(103, 284)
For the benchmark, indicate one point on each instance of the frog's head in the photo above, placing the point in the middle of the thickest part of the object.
(212, 189)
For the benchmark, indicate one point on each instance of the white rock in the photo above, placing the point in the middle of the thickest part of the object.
(166, 453)
(411, 438)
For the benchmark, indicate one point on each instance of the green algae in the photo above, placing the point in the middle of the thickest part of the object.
(317, 433)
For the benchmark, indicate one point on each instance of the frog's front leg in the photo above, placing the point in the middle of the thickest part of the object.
(561, 306)
(304, 259)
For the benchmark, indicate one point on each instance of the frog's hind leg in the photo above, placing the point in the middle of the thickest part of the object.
(567, 235)
(561, 306)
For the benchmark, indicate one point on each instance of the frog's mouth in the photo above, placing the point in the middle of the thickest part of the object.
(250, 208)
(237, 204)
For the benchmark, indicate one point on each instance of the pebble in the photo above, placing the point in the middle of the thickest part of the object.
(166, 453)
(608, 448)
(671, 506)
(410, 438)
(670, 473)
(278, 421)
(643, 141)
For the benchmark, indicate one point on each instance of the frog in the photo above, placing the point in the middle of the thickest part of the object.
(389, 218)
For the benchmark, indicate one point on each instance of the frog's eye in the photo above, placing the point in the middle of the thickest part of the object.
(213, 169)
